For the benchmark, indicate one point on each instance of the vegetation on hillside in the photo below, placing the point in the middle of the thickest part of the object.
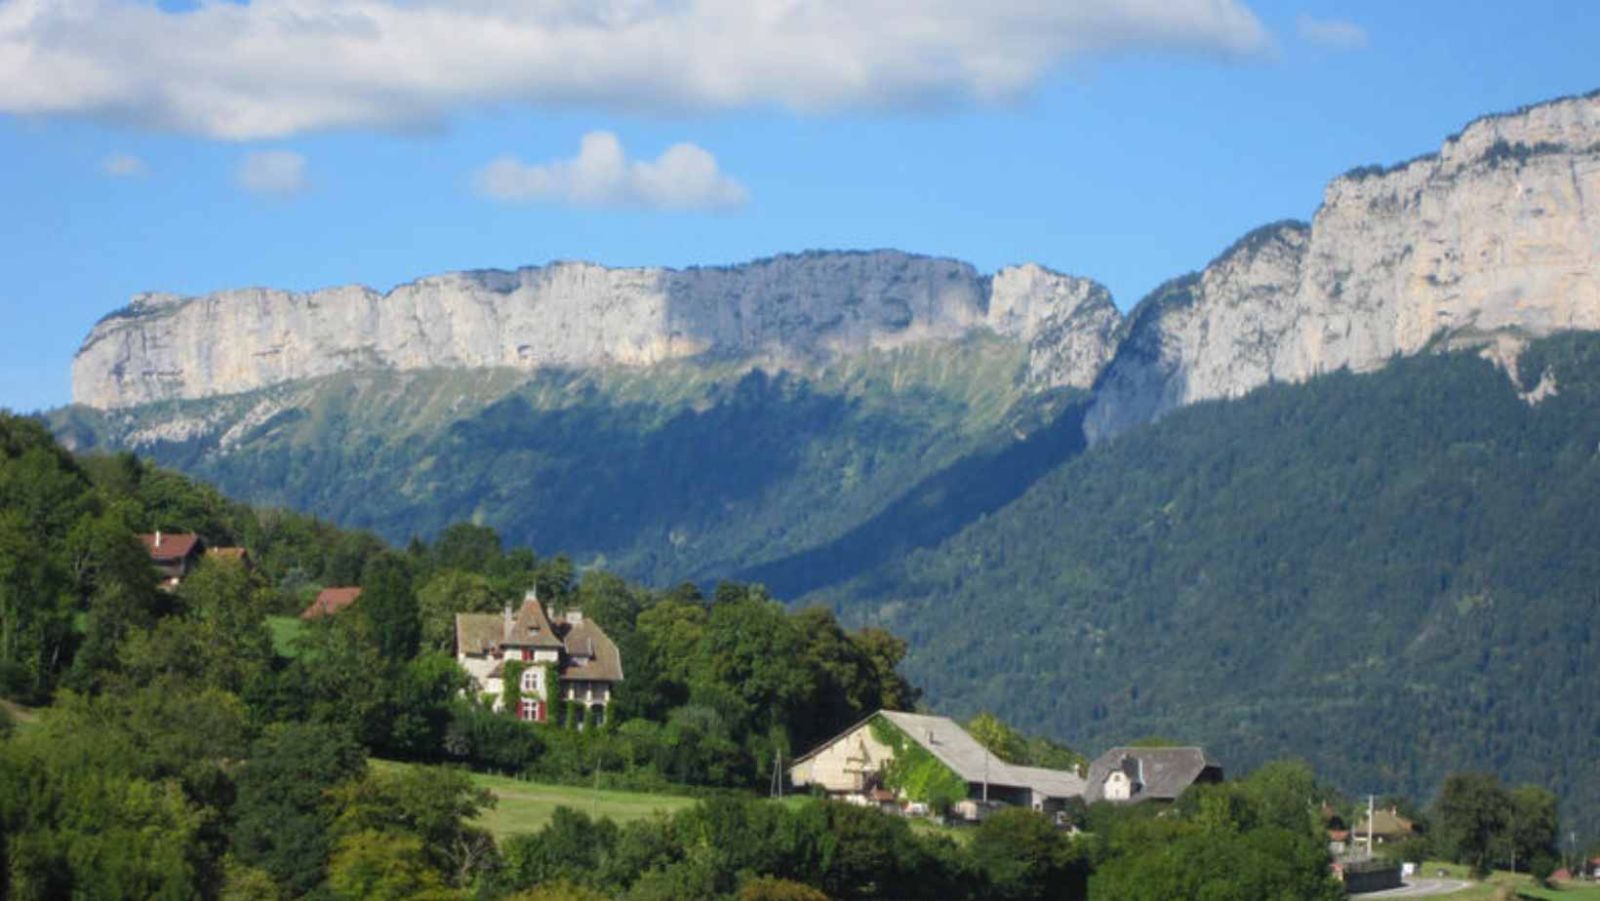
(181, 755)
(1391, 574)
(681, 471)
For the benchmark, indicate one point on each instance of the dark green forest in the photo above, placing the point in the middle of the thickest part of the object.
(1394, 575)
(177, 751)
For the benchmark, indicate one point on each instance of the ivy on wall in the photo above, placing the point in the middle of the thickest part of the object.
(914, 772)
(512, 676)
(551, 689)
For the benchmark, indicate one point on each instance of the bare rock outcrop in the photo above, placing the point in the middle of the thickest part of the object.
(786, 311)
(1493, 240)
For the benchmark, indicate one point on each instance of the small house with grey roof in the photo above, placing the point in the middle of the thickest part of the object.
(581, 660)
(859, 765)
(1132, 775)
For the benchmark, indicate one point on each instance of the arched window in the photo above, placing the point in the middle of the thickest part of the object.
(530, 679)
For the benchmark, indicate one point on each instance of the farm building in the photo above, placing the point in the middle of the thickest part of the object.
(927, 760)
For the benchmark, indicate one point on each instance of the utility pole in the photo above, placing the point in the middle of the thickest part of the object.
(1370, 824)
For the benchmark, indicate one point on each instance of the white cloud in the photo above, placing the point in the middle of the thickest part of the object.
(123, 165)
(273, 68)
(1336, 34)
(683, 177)
(273, 173)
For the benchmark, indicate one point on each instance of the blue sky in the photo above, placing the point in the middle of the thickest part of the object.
(197, 147)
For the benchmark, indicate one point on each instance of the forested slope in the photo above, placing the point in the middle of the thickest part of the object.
(1394, 575)
(683, 471)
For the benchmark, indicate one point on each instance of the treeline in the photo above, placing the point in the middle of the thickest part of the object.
(1478, 821)
(182, 754)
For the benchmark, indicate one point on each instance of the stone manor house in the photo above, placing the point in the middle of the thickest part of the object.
(572, 652)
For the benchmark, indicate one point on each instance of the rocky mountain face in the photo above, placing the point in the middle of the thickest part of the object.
(788, 311)
(1493, 240)
(1490, 241)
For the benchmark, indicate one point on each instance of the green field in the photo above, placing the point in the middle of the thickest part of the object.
(523, 806)
(527, 806)
(1521, 884)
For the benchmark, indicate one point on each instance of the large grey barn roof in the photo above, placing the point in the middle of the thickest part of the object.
(1166, 772)
(945, 739)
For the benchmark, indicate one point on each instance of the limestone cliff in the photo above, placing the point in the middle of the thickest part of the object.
(787, 311)
(1494, 239)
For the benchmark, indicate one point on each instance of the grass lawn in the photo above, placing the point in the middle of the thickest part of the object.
(284, 629)
(1521, 884)
(527, 806)
(522, 806)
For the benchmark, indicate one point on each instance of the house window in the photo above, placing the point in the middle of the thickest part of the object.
(529, 711)
(530, 680)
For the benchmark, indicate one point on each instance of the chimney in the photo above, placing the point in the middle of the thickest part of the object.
(574, 616)
(509, 620)
(158, 538)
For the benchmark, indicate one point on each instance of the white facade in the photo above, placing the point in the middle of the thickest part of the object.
(1118, 787)
(845, 766)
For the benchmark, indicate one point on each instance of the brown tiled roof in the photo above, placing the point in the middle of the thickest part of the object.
(533, 628)
(1386, 822)
(330, 601)
(479, 633)
(484, 633)
(172, 546)
(603, 663)
(588, 653)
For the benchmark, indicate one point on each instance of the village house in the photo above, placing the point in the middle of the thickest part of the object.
(330, 601)
(1386, 825)
(174, 555)
(850, 767)
(1135, 775)
(580, 658)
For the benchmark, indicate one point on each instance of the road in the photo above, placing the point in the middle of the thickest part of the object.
(1419, 887)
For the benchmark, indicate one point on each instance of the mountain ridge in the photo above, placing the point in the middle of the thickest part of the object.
(788, 311)
(1490, 240)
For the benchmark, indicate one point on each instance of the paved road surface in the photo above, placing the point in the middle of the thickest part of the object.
(1419, 887)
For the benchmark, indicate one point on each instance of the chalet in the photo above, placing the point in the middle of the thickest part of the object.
(330, 601)
(579, 656)
(174, 555)
(1386, 825)
(1134, 775)
(851, 766)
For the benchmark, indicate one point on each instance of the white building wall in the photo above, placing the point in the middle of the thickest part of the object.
(845, 764)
